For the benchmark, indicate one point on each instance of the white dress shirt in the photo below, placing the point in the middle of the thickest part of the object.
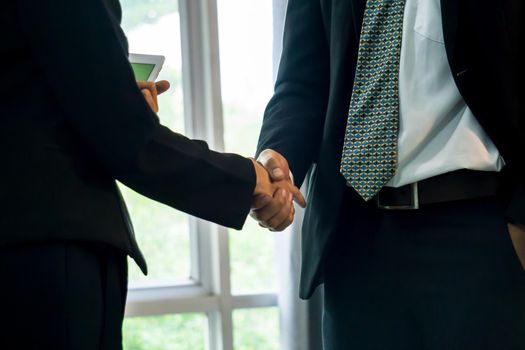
(437, 133)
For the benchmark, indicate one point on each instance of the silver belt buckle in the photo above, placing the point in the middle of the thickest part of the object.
(414, 196)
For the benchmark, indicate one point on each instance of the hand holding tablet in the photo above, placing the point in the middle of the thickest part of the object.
(146, 69)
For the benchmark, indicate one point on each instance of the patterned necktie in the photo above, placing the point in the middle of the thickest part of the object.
(369, 157)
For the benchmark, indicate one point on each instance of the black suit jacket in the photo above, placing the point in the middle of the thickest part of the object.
(306, 118)
(72, 120)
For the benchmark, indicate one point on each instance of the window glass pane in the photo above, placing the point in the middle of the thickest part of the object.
(253, 259)
(153, 27)
(163, 236)
(256, 329)
(245, 36)
(167, 332)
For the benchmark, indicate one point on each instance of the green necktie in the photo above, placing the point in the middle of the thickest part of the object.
(369, 158)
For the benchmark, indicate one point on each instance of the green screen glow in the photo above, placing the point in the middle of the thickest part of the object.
(142, 70)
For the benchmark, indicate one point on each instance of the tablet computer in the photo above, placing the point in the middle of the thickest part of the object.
(146, 67)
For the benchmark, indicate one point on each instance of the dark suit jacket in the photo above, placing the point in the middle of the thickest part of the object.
(306, 118)
(73, 120)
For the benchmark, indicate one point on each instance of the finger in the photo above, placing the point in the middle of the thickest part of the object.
(254, 216)
(150, 100)
(281, 217)
(151, 86)
(287, 222)
(298, 196)
(261, 200)
(273, 208)
(162, 86)
(284, 224)
(263, 225)
(147, 95)
(264, 214)
(276, 165)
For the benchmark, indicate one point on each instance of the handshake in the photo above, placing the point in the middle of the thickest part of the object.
(272, 204)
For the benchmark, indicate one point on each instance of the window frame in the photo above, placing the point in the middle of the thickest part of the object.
(209, 288)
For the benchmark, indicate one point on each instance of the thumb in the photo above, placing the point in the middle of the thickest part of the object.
(260, 201)
(162, 86)
(275, 164)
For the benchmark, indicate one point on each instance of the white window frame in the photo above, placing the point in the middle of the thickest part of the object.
(209, 288)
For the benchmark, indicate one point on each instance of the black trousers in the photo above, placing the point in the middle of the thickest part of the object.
(445, 277)
(62, 296)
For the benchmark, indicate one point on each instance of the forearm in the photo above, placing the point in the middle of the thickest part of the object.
(294, 119)
(186, 175)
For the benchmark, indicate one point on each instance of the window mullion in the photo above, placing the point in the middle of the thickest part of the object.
(203, 120)
(203, 109)
(201, 74)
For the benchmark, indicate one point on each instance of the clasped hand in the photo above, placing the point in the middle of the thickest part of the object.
(275, 192)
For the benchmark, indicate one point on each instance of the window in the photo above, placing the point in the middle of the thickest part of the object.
(179, 331)
(245, 36)
(153, 27)
(209, 287)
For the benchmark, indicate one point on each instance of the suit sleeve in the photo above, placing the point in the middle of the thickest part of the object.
(76, 44)
(294, 118)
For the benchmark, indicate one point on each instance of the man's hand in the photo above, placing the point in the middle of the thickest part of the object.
(276, 212)
(517, 235)
(277, 167)
(272, 204)
(150, 90)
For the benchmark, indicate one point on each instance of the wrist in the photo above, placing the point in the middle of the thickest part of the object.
(262, 179)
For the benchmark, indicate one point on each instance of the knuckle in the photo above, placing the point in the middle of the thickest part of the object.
(277, 221)
(266, 224)
(257, 216)
(280, 227)
(265, 217)
(273, 223)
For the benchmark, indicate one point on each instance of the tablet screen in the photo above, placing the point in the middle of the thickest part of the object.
(142, 70)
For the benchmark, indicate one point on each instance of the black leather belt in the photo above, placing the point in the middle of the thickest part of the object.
(453, 186)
